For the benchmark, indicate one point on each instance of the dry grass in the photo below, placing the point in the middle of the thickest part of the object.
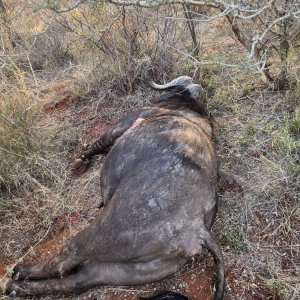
(259, 220)
(33, 174)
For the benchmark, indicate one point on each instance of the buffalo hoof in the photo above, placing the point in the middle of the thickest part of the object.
(7, 288)
(100, 205)
(85, 147)
(18, 272)
(79, 166)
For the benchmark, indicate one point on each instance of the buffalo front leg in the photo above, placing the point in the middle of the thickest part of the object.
(91, 274)
(80, 164)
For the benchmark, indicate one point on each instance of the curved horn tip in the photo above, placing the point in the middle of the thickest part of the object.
(181, 81)
(194, 90)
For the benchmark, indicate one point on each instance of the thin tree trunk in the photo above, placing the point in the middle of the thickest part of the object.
(247, 43)
(191, 25)
(281, 81)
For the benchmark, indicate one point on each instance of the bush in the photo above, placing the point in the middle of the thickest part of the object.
(28, 151)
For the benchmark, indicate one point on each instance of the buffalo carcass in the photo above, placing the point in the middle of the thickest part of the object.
(158, 185)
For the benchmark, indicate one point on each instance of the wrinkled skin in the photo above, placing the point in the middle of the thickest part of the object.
(159, 195)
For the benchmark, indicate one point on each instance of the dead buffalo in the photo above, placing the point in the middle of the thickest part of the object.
(158, 185)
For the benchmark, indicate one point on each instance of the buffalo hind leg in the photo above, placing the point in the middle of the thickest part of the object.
(92, 274)
(56, 266)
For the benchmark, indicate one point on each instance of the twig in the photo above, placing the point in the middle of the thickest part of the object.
(73, 6)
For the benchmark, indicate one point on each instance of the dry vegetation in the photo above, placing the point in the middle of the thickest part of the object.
(66, 77)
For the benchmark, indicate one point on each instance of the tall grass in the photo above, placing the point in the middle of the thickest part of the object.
(29, 156)
(33, 163)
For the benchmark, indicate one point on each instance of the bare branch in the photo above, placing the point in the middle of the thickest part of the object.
(156, 3)
(259, 38)
(73, 6)
(212, 62)
(255, 12)
(204, 18)
(146, 3)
